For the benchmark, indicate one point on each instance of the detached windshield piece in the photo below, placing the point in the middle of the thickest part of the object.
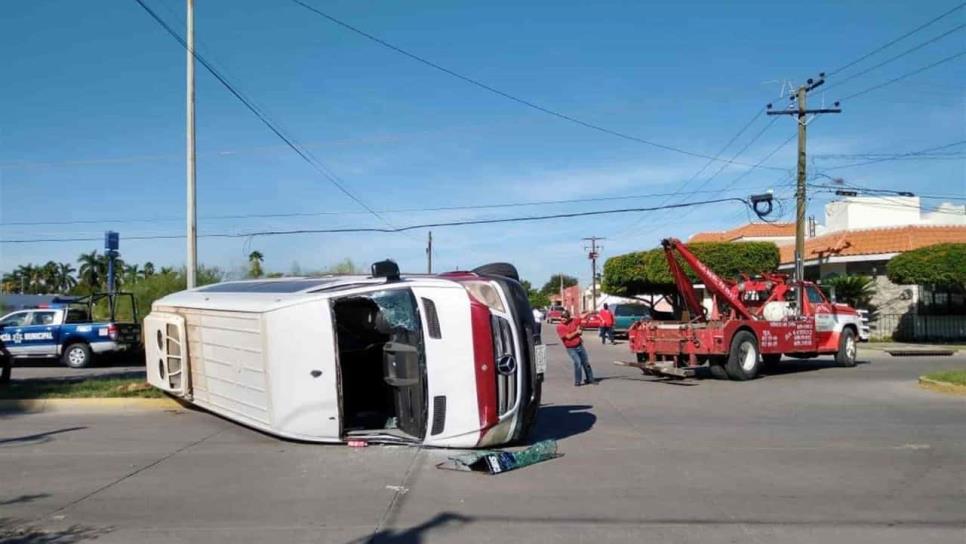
(450, 360)
(495, 462)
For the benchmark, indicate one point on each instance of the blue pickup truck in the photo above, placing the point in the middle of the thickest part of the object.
(64, 329)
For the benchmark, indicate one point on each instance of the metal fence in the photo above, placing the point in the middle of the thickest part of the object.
(913, 327)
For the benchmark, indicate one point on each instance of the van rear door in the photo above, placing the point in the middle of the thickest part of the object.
(166, 353)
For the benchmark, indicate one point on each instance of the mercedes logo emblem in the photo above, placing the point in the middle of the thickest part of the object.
(507, 365)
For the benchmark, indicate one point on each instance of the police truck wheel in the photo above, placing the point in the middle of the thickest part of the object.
(848, 349)
(77, 356)
(744, 360)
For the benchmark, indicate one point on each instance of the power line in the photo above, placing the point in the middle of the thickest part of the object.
(263, 117)
(489, 88)
(896, 57)
(396, 229)
(723, 166)
(897, 157)
(384, 211)
(897, 40)
(876, 191)
(905, 76)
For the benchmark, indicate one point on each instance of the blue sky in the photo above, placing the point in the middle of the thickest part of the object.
(93, 121)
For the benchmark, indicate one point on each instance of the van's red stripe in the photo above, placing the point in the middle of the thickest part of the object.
(485, 367)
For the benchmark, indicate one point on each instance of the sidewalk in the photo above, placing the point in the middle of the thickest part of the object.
(890, 346)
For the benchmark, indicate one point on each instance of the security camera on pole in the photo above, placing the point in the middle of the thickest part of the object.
(112, 242)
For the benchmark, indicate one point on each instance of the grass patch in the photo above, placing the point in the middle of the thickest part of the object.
(78, 389)
(954, 377)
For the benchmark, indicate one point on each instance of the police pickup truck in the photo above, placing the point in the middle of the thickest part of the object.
(64, 329)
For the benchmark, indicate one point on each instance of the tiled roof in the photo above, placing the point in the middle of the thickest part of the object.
(751, 230)
(875, 241)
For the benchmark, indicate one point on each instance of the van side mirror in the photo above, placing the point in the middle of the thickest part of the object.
(400, 364)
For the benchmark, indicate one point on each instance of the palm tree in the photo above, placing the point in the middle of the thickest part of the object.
(148, 270)
(167, 270)
(66, 278)
(50, 277)
(90, 272)
(30, 278)
(132, 273)
(255, 259)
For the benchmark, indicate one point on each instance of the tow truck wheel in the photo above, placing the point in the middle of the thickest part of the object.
(744, 360)
(77, 355)
(847, 349)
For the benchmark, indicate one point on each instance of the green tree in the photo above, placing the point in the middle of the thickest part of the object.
(345, 266)
(148, 270)
(255, 259)
(552, 287)
(537, 299)
(66, 280)
(940, 265)
(856, 291)
(90, 272)
(132, 274)
(647, 271)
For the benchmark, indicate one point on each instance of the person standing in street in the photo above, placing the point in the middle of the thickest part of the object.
(569, 332)
(606, 325)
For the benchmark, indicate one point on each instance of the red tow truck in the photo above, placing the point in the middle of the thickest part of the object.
(750, 323)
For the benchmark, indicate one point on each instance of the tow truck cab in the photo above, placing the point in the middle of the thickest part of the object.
(448, 360)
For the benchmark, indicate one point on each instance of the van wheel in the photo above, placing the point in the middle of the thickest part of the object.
(716, 367)
(847, 348)
(744, 360)
(77, 356)
(771, 360)
(506, 270)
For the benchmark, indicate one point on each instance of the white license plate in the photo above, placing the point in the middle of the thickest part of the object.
(541, 353)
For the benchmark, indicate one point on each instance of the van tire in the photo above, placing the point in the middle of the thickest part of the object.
(717, 370)
(506, 270)
(77, 355)
(848, 349)
(771, 360)
(744, 359)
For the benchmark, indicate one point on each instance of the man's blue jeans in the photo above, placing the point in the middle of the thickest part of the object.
(606, 333)
(579, 356)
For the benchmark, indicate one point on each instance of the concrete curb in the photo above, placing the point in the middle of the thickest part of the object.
(942, 387)
(87, 405)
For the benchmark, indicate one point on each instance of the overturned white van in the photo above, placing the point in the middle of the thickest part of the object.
(448, 360)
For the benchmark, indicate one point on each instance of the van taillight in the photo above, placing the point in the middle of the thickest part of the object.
(112, 331)
(485, 365)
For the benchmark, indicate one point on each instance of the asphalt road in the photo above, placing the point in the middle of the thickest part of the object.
(813, 453)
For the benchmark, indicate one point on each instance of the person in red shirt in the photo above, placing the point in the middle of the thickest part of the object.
(606, 325)
(570, 334)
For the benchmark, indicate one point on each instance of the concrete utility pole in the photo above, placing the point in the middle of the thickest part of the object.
(802, 113)
(191, 261)
(593, 268)
(429, 254)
